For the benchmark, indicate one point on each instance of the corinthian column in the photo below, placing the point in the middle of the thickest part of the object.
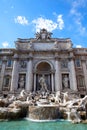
(57, 75)
(85, 72)
(73, 82)
(2, 74)
(52, 81)
(34, 81)
(29, 75)
(14, 80)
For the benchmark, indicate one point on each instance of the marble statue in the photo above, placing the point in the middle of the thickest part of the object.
(21, 82)
(43, 84)
(65, 97)
(58, 97)
(65, 81)
(45, 101)
(37, 36)
(23, 93)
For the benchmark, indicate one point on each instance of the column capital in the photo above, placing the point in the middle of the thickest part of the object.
(83, 60)
(30, 58)
(52, 71)
(4, 59)
(71, 58)
(16, 57)
(57, 57)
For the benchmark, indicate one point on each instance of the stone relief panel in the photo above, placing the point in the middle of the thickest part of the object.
(22, 66)
(44, 55)
(23, 56)
(64, 64)
(43, 46)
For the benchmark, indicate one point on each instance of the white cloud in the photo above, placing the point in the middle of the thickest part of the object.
(78, 16)
(78, 46)
(60, 22)
(21, 20)
(5, 44)
(75, 5)
(44, 23)
(48, 24)
(81, 28)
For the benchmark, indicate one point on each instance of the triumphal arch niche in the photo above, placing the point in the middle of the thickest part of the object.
(44, 68)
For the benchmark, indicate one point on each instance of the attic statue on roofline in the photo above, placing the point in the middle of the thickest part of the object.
(43, 35)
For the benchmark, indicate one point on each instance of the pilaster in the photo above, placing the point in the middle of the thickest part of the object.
(85, 72)
(52, 80)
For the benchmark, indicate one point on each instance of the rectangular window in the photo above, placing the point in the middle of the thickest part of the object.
(6, 81)
(9, 63)
(78, 63)
(81, 82)
(0, 62)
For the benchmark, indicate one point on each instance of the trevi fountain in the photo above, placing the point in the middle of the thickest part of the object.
(41, 85)
(44, 105)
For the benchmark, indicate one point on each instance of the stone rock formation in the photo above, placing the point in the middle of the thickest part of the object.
(44, 105)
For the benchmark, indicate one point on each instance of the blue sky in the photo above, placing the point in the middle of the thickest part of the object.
(23, 18)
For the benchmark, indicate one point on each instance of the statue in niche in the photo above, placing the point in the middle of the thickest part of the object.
(64, 64)
(22, 81)
(43, 84)
(65, 81)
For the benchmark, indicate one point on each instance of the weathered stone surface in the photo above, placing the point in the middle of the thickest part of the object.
(13, 113)
(44, 112)
(3, 103)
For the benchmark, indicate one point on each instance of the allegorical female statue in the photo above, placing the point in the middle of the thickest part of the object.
(65, 81)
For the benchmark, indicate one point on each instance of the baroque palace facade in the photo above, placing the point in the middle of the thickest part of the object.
(63, 66)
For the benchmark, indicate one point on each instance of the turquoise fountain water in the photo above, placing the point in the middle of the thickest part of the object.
(51, 125)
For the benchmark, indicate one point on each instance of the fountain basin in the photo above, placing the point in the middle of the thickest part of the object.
(45, 112)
